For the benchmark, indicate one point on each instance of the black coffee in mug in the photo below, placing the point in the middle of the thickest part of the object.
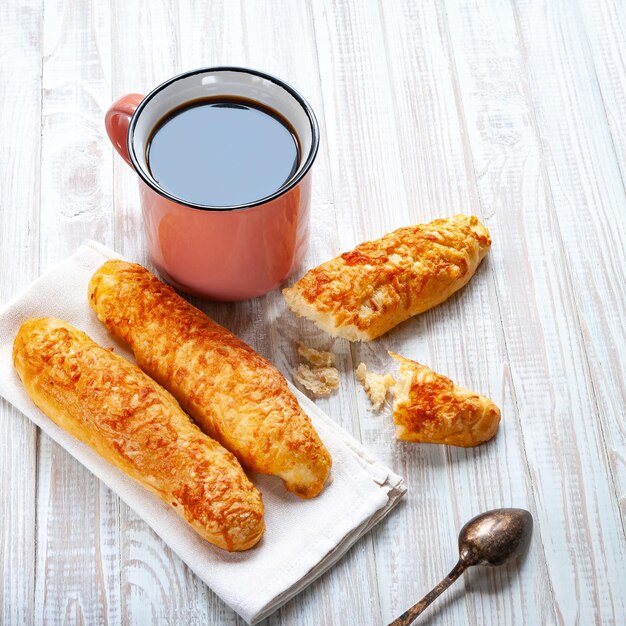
(222, 152)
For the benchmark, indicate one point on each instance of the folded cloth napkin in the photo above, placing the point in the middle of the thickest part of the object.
(303, 537)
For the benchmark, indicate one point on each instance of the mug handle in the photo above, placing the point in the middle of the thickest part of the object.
(117, 119)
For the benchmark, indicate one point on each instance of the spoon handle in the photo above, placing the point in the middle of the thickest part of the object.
(410, 614)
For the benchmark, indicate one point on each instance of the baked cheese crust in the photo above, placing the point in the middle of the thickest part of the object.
(430, 408)
(133, 423)
(363, 293)
(233, 393)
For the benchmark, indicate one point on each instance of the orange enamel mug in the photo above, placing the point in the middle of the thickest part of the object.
(220, 253)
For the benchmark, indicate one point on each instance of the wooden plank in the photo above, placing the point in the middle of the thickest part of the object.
(77, 567)
(586, 170)
(573, 487)
(20, 123)
(397, 113)
(464, 337)
(604, 24)
(371, 199)
(157, 587)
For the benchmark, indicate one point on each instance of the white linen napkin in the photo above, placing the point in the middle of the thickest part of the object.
(303, 537)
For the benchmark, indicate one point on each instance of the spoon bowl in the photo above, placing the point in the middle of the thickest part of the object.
(495, 537)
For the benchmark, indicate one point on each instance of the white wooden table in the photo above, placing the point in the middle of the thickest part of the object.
(512, 110)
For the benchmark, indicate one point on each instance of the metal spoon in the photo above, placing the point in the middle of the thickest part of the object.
(492, 538)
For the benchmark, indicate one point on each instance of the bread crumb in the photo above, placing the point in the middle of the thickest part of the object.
(319, 358)
(375, 385)
(320, 381)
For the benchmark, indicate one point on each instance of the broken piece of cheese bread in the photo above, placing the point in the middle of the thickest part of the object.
(429, 408)
(134, 424)
(233, 393)
(363, 293)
